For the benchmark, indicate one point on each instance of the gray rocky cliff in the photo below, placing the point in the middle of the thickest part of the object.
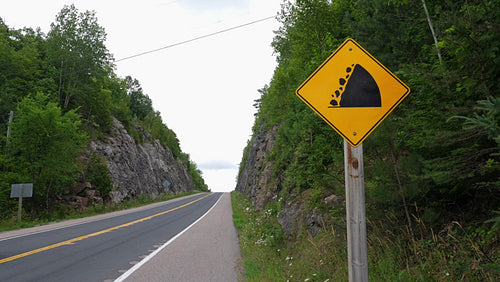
(255, 179)
(149, 168)
(256, 182)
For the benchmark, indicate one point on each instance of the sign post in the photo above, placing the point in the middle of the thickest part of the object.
(353, 93)
(20, 206)
(357, 255)
(19, 191)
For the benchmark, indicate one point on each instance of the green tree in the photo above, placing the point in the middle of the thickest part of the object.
(418, 157)
(75, 48)
(46, 144)
(140, 104)
(196, 175)
(120, 100)
(22, 69)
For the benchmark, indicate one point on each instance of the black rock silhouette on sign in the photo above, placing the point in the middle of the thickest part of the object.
(361, 90)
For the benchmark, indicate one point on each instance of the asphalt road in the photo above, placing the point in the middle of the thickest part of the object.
(98, 250)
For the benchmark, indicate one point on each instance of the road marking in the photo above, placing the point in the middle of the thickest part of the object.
(150, 256)
(92, 219)
(70, 241)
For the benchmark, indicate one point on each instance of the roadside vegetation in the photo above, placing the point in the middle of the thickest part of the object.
(432, 256)
(432, 168)
(65, 213)
(62, 91)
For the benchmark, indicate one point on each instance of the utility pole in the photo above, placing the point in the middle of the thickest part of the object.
(11, 118)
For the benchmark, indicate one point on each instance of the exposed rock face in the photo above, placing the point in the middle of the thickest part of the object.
(290, 218)
(255, 179)
(294, 218)
(137, 169)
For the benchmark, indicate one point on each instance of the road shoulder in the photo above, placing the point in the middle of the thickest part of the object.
(208, 251)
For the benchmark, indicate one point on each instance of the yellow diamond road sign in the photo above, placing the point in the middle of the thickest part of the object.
(352, 92)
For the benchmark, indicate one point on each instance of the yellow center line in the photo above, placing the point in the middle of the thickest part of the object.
(95, 233)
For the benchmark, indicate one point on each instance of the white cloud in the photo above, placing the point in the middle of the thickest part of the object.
(217, 165)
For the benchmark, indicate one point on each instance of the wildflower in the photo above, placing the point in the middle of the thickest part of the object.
(307, 279)
(260, 242)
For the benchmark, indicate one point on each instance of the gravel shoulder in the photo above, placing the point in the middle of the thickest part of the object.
(208, 251)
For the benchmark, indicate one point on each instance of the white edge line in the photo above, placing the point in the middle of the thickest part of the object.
(151, 255)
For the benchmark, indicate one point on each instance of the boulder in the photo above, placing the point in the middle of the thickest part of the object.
(314, 221)
(291, 218)
(333, 201)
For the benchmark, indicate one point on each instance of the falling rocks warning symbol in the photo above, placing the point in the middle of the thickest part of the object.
(352, 92)
(360, 89)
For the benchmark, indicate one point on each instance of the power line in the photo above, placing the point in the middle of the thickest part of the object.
(194, 39)
(147, 52)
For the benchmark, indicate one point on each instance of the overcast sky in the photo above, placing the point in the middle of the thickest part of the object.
(204, 89)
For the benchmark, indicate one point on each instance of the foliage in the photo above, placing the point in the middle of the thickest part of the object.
(434, 160)
(261, 258)
(120, 100)
(419, 152)
(45, 145)
(454, 253)
(98, 175)
(75, 47)
(22, 69)
(196, 175)
(140, 104)
(64, 92)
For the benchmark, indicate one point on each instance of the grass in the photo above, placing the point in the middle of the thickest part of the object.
(261, 256)
(453, 254)
(64, 213)
(268, 256)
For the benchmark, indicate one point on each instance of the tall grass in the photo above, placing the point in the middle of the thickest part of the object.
(453, 254)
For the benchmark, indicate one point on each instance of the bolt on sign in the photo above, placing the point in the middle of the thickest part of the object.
(352, 92)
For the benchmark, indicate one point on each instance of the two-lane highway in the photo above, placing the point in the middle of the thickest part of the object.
(99, 250)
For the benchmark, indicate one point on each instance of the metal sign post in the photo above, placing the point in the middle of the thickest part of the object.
(20, 206)
(355, 213)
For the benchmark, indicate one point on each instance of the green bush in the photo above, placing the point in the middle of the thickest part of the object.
(97, 174)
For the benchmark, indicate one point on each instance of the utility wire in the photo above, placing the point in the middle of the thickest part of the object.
(194, 39)
(149, 52)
